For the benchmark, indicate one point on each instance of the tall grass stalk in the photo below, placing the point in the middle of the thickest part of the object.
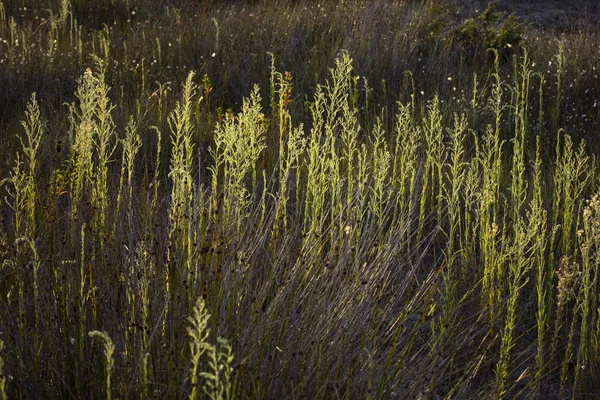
(489, 160)
(199, 333)
(34, 130)
(404, 166)
(567, 357)
(381, 165)
(522, 256)
(489, 157)
(572, 174)
(317, 184)
(455, 175)
(291, 142)
(434, 160)
(542, 278)
(218, 381)
(520, 110)
(131, 144)
(109, 363)
(590, 254)
(443, 326)
(180, 212)
(92, 132)
(3, 395)
(559, 75)
(104, 146)
(24, 195)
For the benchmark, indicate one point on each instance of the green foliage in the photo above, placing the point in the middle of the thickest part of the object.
(491, 30)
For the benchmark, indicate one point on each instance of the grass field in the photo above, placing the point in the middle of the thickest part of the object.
(297, 199)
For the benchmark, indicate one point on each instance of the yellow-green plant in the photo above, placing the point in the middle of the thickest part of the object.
(590, 254)
(349, 133)
(22, 177)
(153, 211)
(295, 145)
(404, 166)
(20, 185)
(199, 333)
(2, 18)
(560, 70)
(182, 156)
(3, 395)
(571, 177)
(520, 109)
(521, 258)
(104, 147)
(542, 279)
(569, 280)
(144, 391)
(109, 362)
(291, 140)
(220, 360)
(435, 156)
(363, 175)
(489, 161)
(470, 204)
(317, 180)
(568, 275)
(329, 111)
(131, 144)
(83, 298)
(456, 170)
(567, 358)
(380, 192)
(81, 138)
(238, 143)
(442, 325)
(92, 133)
(34, 130)
(218, 381)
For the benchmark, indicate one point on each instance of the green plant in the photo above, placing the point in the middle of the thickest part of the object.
(491, 30)
(3, 394)
(218, 381)
(109, 349)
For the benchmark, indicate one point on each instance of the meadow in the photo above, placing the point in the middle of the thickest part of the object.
(297, 199)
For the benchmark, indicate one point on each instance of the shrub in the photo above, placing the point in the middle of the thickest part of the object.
(491, 30)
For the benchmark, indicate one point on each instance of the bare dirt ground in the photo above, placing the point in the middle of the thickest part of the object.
(559, 15)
